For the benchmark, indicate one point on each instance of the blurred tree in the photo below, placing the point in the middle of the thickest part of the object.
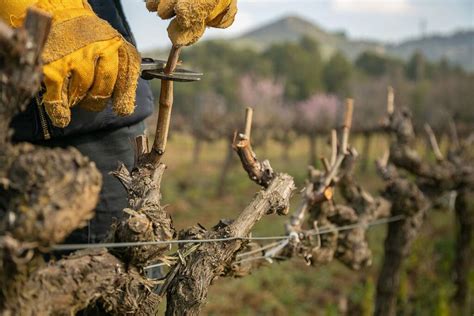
(444, 66)
(372, 64)
(377, 65)
(451, 96)
(441, 69)
(282, 127)
(299, 65)
(316, 115)
(371, 104)
(337, 74)
(416, 67)
(265, 96)
(222, 65)
(209, 120)
(419, 96)
(371, 98)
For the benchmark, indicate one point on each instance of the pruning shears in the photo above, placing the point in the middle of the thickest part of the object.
(154, 69)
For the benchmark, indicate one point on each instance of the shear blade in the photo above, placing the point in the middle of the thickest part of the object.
(179, 75)
(154, 69)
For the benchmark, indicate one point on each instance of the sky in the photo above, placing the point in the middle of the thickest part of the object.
(383, 20)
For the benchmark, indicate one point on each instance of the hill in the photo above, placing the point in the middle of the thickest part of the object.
(292, 28)
(457, 48)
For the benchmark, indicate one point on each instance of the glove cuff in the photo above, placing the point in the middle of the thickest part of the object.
(85, 30)
(52, 6)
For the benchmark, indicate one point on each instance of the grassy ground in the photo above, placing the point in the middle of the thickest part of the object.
(292, 288)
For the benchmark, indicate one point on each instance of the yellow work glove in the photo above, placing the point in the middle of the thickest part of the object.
(193, 16)
(86, 61)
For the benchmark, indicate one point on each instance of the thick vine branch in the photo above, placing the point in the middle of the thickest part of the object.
(82, 280)
(188, 288)
(408, 199)
(259, 172)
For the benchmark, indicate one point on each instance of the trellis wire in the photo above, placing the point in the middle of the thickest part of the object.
(322, 231)
(326, 230)
(69, 247)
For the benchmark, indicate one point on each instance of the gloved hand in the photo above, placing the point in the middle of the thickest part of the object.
(86, 61)
(193, 16)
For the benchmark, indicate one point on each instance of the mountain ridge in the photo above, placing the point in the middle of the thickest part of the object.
(456, 47)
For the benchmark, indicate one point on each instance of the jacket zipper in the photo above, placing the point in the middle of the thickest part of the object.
(43, 122)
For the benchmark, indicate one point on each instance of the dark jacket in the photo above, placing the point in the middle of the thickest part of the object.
(30, 125)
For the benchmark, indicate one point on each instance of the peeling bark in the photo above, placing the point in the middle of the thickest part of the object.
(46, 194)
(81, 280)
(146, 219)
(188, 289)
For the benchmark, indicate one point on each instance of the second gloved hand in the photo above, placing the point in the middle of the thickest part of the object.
(193, 16)
(86, 61)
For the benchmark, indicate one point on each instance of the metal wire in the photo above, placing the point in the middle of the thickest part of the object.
(155, 266)
(269, 259)
(258, 249)
(157, 242)
(327, 230)
(321, 232)
(68, 247)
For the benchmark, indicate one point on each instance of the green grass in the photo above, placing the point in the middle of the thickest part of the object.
(292, 288)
